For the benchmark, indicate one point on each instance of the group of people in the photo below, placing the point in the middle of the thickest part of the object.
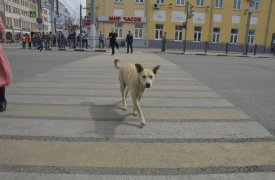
(47, 40)
(112, 37)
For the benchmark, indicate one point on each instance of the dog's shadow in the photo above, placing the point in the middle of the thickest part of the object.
(105, 128)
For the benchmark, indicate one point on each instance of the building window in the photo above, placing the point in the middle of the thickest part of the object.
(219, 3)
(180, 2)
(118, 1)
(118, 30)
(138, 31)
(160, 1)
(197, 34)
(158, 31)
(178, 33)
(200, 2)
(256, 5)
(139, 13)
(234, 36)
(216, 35)
(237, 4)
(118, 12)
(251, 37)
(139, 1)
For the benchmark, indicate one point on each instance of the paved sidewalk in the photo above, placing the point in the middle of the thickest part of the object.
(67, 124)
(158, 51)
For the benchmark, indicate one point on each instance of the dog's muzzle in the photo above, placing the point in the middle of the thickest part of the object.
(147, 85)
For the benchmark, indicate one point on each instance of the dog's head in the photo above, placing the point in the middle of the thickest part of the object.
(146, 76)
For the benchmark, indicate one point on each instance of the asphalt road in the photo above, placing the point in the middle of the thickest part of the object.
(28, 63)
(64, 119)
(248, 83)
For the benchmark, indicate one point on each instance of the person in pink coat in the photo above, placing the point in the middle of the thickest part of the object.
(5, 73)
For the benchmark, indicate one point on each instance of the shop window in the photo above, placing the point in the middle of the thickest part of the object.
(180, 2)
(200, 2)
(219, 3)
(138, 31)
(178, 33)
(197, 34)
(237, 4)
(216, 35)
(158, 31)
(118, 30)
(160, 1)
(234, 36)
(251, 37)
(256, 5)
(118, 1)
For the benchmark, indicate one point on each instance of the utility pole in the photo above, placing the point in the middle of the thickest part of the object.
(189, 9)
(80, 23)
(92, 27)
(57, 15)
(39, 19)
(250, 10)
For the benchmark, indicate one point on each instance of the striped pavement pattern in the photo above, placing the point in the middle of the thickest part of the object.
(67, 124)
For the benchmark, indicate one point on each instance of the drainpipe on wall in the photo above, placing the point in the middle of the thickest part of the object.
(211, 21)
(268, 22)
(146, 42)
(247, 26)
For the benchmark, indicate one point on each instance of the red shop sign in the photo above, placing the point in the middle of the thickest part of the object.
(126, 19)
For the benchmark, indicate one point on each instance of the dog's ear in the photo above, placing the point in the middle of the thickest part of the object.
(155, 69)
(139, 68)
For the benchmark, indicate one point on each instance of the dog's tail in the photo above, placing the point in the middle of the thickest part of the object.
(116, 63)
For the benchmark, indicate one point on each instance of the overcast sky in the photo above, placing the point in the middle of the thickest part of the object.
(73, 5)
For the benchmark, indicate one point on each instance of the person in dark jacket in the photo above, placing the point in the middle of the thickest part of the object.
(40, 41)
(163, 42)
(112, 39)
(129, 41)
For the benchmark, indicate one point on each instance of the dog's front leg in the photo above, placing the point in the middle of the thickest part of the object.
(134, 109)
(138, 110)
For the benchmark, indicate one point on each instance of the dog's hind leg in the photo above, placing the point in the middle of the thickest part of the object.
(123, 90)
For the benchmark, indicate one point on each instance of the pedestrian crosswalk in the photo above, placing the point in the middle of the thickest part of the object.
(67, 124)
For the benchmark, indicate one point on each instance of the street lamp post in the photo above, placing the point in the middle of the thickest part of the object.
(92, 27)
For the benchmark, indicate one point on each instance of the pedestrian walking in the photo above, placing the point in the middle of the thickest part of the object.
(85, 41)
(40, 42)
(24, 40)
(163, 42)
(5, 73)
(129, 41)
(113, 42)
(101, 40)
(34, 40)
(30, 41)
(73, 40)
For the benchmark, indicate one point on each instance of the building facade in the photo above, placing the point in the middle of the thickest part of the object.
(214, 21)
(18, 19)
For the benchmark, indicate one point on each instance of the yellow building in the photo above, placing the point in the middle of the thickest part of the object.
(217, 21)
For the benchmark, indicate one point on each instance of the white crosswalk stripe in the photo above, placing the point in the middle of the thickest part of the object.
(67, 124)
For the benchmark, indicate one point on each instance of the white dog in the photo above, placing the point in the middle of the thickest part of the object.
(135, 78)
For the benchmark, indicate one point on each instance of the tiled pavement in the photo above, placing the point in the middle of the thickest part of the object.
(67, 124)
